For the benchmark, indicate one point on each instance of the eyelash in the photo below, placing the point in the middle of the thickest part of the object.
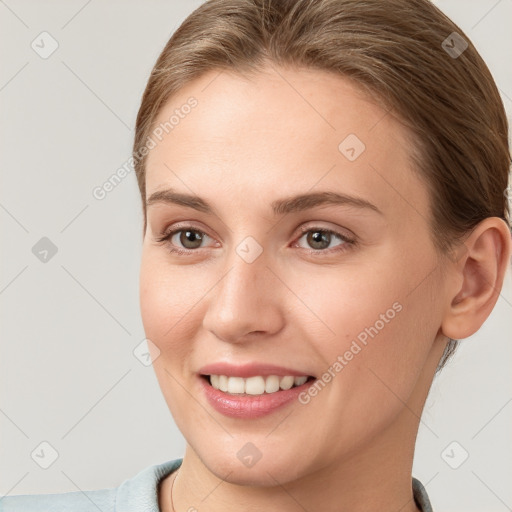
(349, 243)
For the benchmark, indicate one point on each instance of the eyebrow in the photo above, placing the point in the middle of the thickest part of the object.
(282, 206)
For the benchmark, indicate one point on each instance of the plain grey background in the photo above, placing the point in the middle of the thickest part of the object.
(71, 321)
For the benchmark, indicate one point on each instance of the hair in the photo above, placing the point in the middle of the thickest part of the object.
(398, 52)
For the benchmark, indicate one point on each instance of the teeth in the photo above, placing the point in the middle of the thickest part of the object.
(255, 385)
(223, 383)
(214, 379)
(271, 384)
(286, 382)
(236, 385)
(298, 381)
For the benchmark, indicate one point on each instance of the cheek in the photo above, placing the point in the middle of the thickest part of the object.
(168, 299)
(169, 296)
(375, 332)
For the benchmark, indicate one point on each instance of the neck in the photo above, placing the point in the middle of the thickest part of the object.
(378, 478)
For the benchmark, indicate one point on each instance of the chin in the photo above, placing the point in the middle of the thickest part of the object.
(262, 474)
(241, 463)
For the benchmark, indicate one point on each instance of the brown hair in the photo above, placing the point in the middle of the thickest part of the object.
(403, 52)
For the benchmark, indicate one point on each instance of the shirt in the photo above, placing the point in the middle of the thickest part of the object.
(136, 494)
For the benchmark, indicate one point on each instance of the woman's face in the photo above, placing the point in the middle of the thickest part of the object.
(348, 292)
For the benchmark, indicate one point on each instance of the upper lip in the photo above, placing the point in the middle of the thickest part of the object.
(248, 370)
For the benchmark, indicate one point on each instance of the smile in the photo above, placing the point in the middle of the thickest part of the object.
(256, 385)
(248, 398)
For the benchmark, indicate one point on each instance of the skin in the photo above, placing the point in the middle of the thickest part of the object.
(247, 143)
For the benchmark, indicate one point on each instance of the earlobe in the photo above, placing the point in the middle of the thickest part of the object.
(481, 270)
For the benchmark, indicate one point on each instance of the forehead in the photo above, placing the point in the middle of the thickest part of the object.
(307, 103)
(282, 127)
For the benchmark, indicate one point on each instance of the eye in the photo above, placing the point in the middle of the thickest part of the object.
(319, 239)
(183, 240)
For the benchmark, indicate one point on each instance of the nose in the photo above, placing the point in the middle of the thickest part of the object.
(246, 302)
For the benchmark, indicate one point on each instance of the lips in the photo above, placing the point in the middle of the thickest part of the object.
(252, 402)
(250, 370)
(250, 407)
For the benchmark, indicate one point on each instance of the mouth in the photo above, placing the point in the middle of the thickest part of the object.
(256, 385)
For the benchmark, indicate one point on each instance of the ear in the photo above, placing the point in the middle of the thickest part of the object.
(480, 269)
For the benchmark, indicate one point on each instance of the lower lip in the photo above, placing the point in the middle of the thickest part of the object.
(250, 406)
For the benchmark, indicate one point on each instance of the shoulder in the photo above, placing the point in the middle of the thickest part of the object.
(77, 501)
(134, 494)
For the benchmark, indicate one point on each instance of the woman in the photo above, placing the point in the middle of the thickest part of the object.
(324, 216)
